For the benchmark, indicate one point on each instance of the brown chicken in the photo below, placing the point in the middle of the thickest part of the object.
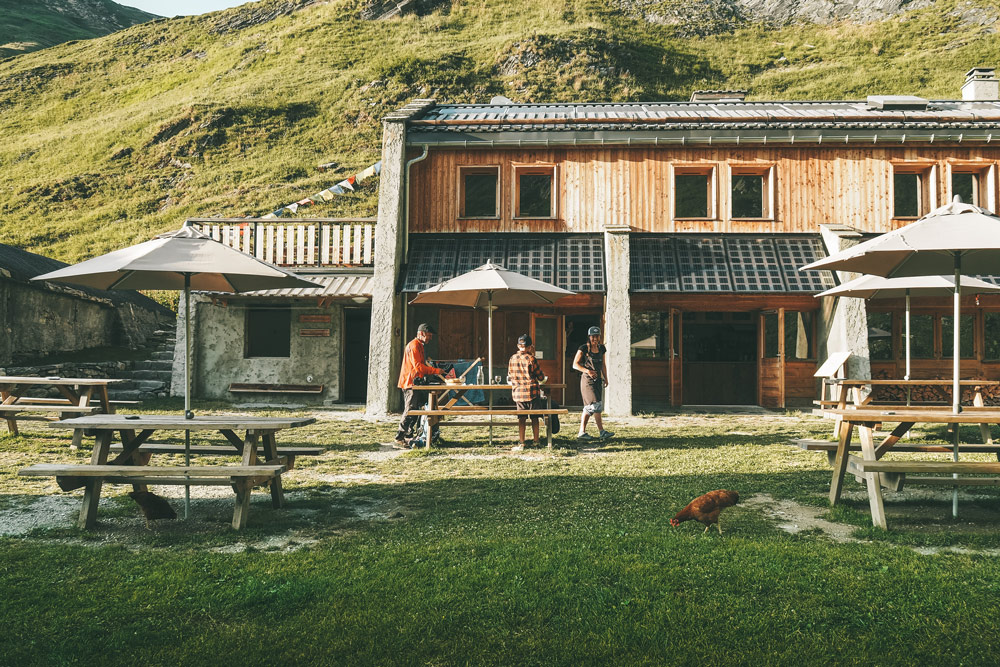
(706, 508)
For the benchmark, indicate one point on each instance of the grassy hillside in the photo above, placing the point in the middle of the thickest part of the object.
(28, 26)
(106, 142)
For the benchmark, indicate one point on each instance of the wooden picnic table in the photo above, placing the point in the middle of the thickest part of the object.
(871, 465)
(78, 396)
(261, 463)
(436, 410)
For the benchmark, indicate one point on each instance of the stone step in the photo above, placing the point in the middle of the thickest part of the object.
(145, 374)
(162, 355)
(154, 365)
(149, 385)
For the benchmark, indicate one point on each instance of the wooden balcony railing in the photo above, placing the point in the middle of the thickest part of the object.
(299, 242)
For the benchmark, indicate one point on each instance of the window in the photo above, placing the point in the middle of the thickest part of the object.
(912, 190)
(991, 329)
(479, 191)
(921, 337)
(972, 182)
(965, 336)
(650, 331)
(534, 192)
(268, 332)
(751, 194)
(694, 192)
(880, 336)
(799, 335)
(770, 334)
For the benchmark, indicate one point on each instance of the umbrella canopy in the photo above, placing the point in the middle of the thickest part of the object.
(162, 263)
(927, 247)
(183, 260)
(488, 286)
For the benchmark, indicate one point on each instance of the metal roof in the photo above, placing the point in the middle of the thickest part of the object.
(571, 261)
(731, 263)
(344, 285)
(791, 121)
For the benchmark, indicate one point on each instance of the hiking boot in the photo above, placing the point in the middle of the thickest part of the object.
(517, 448)
(400, 443)
(604, 435)
(585, 437)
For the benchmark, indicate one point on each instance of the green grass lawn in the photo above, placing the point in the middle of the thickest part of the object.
(468, 554)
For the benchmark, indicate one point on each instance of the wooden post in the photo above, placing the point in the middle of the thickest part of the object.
(92, 492)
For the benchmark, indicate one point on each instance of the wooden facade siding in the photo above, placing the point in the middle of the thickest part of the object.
(621, 185)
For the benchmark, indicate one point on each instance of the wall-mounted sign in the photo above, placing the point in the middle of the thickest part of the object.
(314, 332)
(314, 318)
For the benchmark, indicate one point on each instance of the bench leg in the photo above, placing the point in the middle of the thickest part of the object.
(840, 461)
(271, 454)
(873, 480)
(92, 490)
(242, 490)
(12, 426)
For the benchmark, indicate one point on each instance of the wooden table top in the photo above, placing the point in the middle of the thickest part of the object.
(910, 383)
(937, 415)
(54, 380)
(486, 387)
(179, 423)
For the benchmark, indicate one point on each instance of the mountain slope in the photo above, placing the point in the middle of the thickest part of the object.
(28, 26)
(105, 142)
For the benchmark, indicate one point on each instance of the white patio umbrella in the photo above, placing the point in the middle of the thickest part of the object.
(488, 286)
(183, 260)
(954, 238)
(877, 287)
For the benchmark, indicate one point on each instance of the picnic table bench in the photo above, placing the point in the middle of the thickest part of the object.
(496, 412)
(79, 396)
(145, 449)
(261, 466)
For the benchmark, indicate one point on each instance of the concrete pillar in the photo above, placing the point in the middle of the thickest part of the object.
(618, 321)
(385, 351)
(844, 321)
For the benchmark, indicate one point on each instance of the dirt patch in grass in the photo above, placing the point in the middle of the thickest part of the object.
(793, 517)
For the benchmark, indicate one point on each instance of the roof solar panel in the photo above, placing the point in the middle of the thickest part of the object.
(794, 252)
(580, 264)
(533, 257)
(702, 264)
(437, 263)
(754, 264)
(653, 265)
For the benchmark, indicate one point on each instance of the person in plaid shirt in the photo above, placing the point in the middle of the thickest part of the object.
(524, 375)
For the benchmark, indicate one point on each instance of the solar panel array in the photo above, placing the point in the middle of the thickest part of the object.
(573, 262)
(718, 263)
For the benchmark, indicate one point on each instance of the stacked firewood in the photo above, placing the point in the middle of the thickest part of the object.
(928, 393)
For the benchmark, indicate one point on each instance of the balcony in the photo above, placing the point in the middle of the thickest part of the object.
(297, 242)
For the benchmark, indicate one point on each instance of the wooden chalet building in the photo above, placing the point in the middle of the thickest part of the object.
(680, 226)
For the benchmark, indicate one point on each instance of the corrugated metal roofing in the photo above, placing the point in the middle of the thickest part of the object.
(571, 261)
(727, 263)
(853, 114)
(337, 285)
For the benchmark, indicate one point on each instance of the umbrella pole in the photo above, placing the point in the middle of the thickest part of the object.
(907, 376)
(187, 386)
(956, 362)
(489, 338)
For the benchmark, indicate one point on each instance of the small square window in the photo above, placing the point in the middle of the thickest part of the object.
(971, 182)
(694, 192)
(479, 192)
(534, 192)
(751, 192)
(268, 332)
(912, 191)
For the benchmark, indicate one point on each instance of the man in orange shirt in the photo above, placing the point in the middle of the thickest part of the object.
(414, 366)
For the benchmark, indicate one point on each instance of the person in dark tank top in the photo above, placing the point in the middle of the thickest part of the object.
(589, 361)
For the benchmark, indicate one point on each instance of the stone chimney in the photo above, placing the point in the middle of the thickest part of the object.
(718, 96)
(981, 85)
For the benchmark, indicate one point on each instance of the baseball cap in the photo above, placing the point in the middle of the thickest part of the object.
(426, 327)
(525, 339)
(594, 331)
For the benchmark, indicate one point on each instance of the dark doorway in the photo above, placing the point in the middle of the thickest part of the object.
(720, 359)
(576, 335)
(357, 330)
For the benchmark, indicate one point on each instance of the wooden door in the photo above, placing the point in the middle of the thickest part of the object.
(547, 333)
(676, 332)
(357, 328)
(456, 334)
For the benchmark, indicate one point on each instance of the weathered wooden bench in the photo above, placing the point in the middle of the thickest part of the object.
(263, 388)
(33, 400)
(830, 447)
(241, 478)
(16, 412)
(495, 412)
(288, 453)
(904, 468)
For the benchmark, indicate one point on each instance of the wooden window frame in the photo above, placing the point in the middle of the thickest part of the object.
(768, 173)
(699, 169)
(466, 170)
(985, 173)
(926, 184)
(534, 169)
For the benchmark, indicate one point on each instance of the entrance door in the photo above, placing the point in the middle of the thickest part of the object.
(676, 331)
(357, 330)
(719, 359)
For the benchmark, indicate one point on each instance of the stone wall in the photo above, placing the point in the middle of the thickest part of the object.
(39, 322)
(218, 334)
